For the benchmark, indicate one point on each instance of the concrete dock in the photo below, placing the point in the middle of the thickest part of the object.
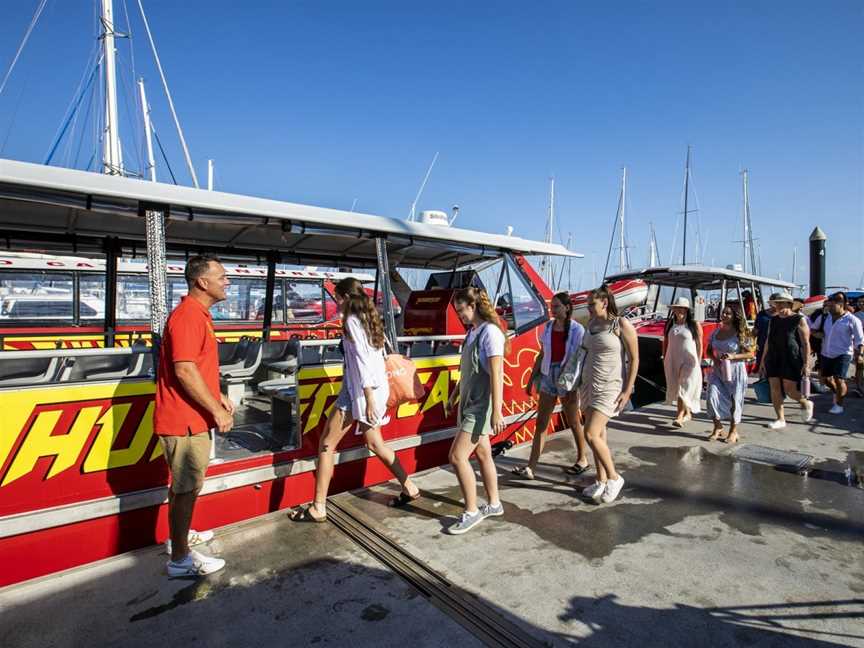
(703, 548)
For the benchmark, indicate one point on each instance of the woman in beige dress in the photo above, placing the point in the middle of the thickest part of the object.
(682, 361)
(603, 391)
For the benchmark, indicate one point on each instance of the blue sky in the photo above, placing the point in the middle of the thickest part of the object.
(324, 103)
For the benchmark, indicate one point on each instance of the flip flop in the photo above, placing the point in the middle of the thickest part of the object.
(402, 499)
(576, 469)
(523, 472)
(304, 515)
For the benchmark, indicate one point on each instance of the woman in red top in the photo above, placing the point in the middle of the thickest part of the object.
(561, 338)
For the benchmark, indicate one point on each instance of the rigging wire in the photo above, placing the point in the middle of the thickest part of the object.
(14, 116)
(24, 40)
(162, 150)
(128, 94)
(68, 119)
(85, 121)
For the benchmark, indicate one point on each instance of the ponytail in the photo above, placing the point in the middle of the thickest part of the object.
(603, 292)
(479, 299)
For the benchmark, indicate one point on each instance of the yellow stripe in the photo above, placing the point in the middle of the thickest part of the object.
(336, 370)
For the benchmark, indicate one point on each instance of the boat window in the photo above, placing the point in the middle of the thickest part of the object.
(303, 301)
(526, 306)
(36, 295)
(177, 290)
(242, 298)
(92, 292)
(133, 298)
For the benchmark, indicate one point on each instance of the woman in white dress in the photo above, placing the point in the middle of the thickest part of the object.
(362, 400)
(682, 360)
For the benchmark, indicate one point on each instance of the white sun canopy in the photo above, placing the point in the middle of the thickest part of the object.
(75, 210)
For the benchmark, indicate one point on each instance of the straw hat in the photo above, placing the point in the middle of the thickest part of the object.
(681, 302)
(782, 296)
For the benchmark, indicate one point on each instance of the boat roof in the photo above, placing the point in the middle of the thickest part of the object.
(79, 209)
(696, 276)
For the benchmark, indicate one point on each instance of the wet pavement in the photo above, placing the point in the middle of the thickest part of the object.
(702, 549)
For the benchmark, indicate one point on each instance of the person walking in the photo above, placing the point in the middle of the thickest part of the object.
(362, 400)
(682, 361)
(859, 363)
(730, 347)
(844, 339)
(189, 407)
(763, 320)
(603, 392)
(480, 392)
(785, 361)
(561, 338)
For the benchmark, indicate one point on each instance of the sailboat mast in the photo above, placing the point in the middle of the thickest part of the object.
(112, 157)
(148, 133)
(622, 249)
(753, 267)
(549, 226)
(653, 253)
(686, 192)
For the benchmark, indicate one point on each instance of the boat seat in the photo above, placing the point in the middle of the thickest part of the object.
(281, 357)
(332, 354)
(29, 371)
(310, 355)
(421, 349)
(234, 381)
(237, 359)
(269, 387)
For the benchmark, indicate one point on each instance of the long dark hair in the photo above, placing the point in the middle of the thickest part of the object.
(603, 292)
(567, 303)
(739, 324)
(479, 299)
(361, 306)
(688, 320)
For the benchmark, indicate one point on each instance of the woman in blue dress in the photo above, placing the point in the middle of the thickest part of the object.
(731, 347)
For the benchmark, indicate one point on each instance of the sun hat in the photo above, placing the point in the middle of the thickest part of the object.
(782, 296)
(681, 302)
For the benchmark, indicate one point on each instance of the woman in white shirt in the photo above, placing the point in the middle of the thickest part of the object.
(362, 399)
(481, 394)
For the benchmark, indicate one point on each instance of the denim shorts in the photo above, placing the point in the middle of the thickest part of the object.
(343, 401)
(549, 384)
(838, 366)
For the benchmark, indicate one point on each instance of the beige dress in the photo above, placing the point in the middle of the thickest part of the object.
(682, 368)
(602, 378)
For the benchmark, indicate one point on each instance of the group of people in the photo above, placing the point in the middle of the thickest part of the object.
(590, 370)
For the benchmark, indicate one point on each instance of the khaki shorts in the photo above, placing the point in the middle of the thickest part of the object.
(187, 458)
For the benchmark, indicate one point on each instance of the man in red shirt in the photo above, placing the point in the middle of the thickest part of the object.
(190, 407)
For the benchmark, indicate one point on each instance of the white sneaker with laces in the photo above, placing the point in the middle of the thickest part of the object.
(466, 522)
(612, 490)
(836, 409)
(595, 490)
(195, 564)
(194, 538)
(779, 424)
(807, 412)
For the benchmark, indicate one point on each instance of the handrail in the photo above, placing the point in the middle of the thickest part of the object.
(405, 338)
(72, 353)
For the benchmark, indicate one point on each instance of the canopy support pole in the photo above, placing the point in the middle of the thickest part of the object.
(386, 292)
(112, 249)
(269, 290)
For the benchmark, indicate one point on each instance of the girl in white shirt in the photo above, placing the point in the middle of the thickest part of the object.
(481, 394)
(362, 400)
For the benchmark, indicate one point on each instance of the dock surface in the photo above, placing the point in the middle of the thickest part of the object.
(703, 548)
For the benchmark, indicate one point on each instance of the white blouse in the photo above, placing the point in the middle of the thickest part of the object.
(364, 367)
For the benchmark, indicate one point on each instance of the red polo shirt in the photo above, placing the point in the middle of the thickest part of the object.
(188, 337)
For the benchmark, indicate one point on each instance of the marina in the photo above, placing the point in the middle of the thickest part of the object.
(236, 411)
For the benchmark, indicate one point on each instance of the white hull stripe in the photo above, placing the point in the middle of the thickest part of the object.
(74, 512)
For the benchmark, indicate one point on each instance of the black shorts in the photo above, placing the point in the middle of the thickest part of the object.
(836, 367)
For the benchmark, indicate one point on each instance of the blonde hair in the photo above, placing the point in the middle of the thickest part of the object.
(479, 299)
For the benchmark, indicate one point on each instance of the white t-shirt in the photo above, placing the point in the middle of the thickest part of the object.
(491, 342)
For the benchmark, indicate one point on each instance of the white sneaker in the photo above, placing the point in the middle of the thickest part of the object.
(836, 409)
(779, 424)
(487, 510)
(194, 538)
(195, 564)
(595, 490)
(807, 412)
(612, 490)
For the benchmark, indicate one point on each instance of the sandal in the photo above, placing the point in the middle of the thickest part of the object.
(576, 469)
(731, 438)
(677, 423)
(523, 472)
(304, 515)
(402, 499)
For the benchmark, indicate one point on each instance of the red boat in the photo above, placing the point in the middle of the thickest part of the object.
(629, 294)
(82, 475)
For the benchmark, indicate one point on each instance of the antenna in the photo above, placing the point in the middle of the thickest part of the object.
(455, 214)
(412, 214)
(686, 192)
(353, 205)
(209, 175)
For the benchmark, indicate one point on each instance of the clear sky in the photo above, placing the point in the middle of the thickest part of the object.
(328, 102)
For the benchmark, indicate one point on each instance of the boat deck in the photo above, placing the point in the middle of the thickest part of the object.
(703, 548)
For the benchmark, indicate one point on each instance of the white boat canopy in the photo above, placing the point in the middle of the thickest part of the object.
(76, 210)
(696, 277)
